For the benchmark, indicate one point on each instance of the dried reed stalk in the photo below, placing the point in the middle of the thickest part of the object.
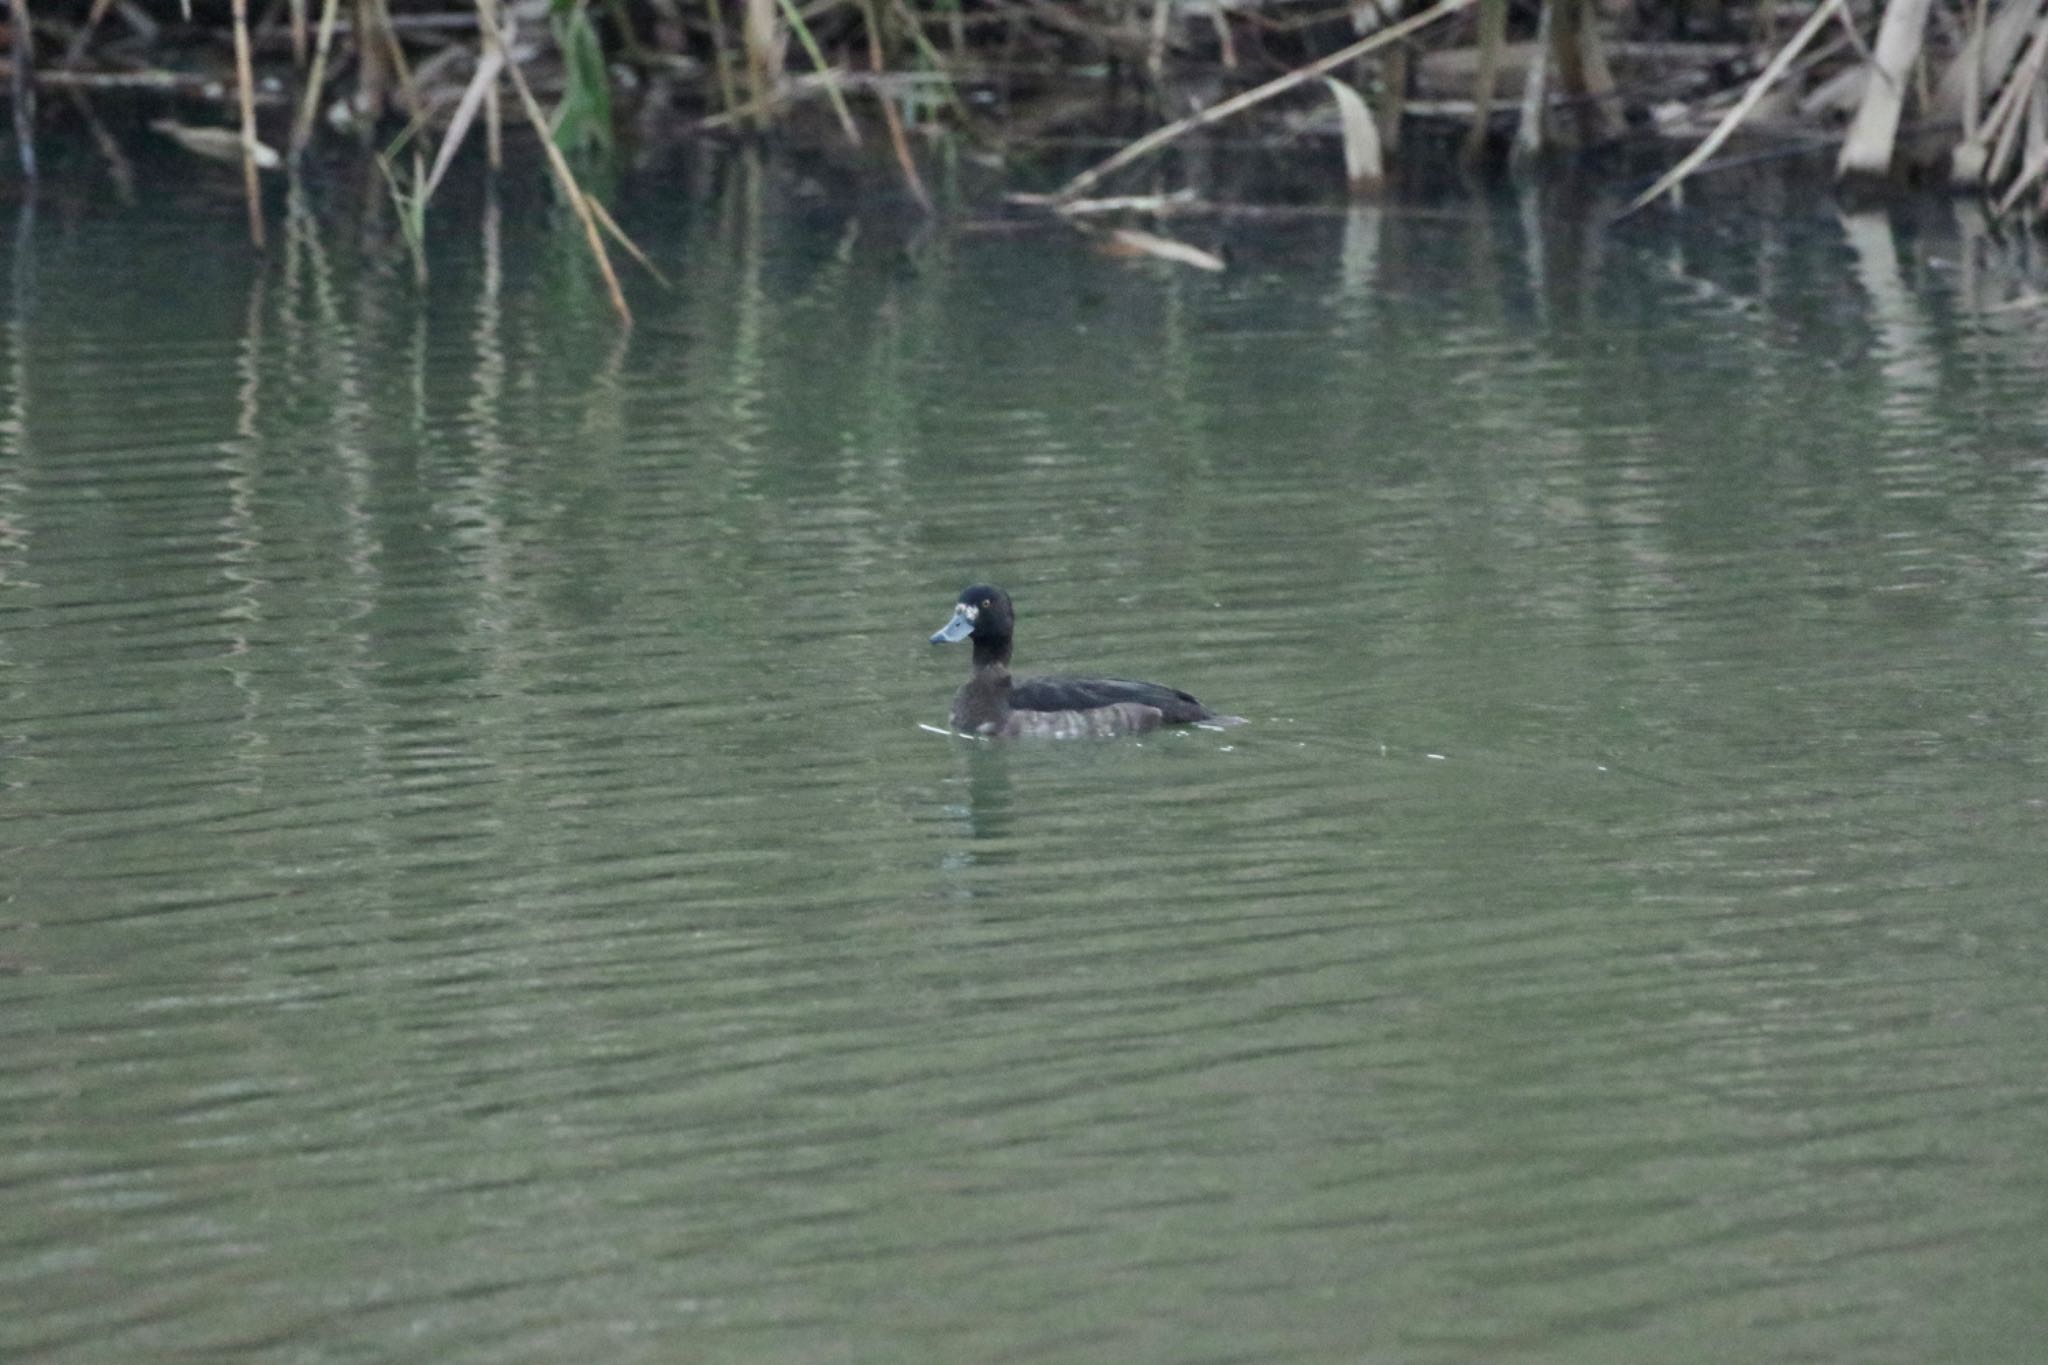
(760, 32)
(494, 124)
(309, 103)
(1583, 76)
(1155, 43)
(1867, 151)
(898, 142)
(1137, 242)
(1493, 34)
(370, 57)
(618, 234)
(913, 27)
(408, 88)
(474, 96)
(1972, 60)
(196, 85)
(721, 60)
(2010, 114)
(245, 92)
(2035, 172)
(824, 69)
(1529, 135)
(1991, 46)
(24, 86)
(1364, 169)
(1393, 99)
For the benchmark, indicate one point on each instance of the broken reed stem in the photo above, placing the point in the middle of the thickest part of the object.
(559, 164)
(1223, 109)
(24, 87)
(245, 92)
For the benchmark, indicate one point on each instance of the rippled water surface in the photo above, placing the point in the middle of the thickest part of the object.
(474, 887)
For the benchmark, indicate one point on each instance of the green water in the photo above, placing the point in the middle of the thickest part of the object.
(474, 887)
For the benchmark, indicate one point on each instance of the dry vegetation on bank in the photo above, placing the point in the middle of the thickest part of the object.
(1954, 92)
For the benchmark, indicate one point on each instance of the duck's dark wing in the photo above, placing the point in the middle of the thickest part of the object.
(1086, 694)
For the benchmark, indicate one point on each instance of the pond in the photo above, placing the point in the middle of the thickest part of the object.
(476, 883)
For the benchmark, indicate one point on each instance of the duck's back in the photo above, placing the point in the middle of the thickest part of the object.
(1055, 694)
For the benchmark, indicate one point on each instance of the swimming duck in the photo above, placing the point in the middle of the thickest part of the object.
(992, 703)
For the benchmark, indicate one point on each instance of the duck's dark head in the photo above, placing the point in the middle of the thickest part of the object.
(982, 613)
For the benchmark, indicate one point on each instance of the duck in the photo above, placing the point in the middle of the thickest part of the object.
(994, 704)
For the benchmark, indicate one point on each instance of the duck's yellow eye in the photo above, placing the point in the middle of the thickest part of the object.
(988, 601)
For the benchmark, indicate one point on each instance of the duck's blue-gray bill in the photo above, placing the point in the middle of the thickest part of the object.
(959, 628)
